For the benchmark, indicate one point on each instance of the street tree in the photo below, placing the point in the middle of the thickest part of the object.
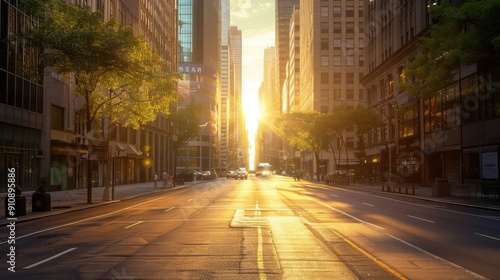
(303, 131)
(462, 32)
(114, 71)
(364, 120)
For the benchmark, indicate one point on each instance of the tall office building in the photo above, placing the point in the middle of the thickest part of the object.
(238, 140)
(265, 150)
(21, 105)
(443, 136)
(199, 57)
(392, 30)
(283, 11)
(130, 155)
(225, 90)
(331, 67)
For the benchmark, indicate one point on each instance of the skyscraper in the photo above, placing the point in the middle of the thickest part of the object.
(331, 65)
(199, 57)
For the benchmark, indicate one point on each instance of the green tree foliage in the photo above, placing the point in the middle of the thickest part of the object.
(302, 130)
(460, 34)
(187, 120)
(311, 131)
(114, 71)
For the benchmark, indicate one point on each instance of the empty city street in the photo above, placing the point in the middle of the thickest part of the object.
(261, 228)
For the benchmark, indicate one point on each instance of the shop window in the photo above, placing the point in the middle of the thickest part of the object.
(471, 165)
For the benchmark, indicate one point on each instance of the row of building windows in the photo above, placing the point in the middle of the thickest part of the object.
(20, 93)
(337, 27)
(337, 78)
(337, 11)
(337, 60)
(337, 44)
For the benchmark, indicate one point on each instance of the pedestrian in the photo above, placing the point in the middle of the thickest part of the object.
(155, 180)
(164, 176)
(170, 183)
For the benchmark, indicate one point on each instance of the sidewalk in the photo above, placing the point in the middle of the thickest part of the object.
(76, 199)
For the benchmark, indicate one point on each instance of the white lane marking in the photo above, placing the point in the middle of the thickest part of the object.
(422, 205)
(169, 209)
(48, 259)
(475, 275)
(85, 220)
(487, 236)
(191, 199)
(422, 219)
(368, 204)
(260, 260)
(129, 226)
(349, 215)
(334, 195)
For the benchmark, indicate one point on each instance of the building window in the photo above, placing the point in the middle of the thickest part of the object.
(337, 60)
(349, 12)
(337, 44)
(324, 78)
(402, 75)
(324, 27)
(349, 94)
(57, 117)
(324, 44)
(324, 61)
(324, 11)
(350, 60)
(361, 60)
(361, 45)
(471, 165)
(337, 11)
(349, 27)
(349, 43)
(337, 27)
(337, 78)
(349, 78)
(337, 94)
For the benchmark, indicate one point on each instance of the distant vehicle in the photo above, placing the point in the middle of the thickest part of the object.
(241, 173)
(231, 174)
(207, 174)
(339, 177)
(264, 169)
(189, 175)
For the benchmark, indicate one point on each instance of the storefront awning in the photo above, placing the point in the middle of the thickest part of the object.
(134, 150)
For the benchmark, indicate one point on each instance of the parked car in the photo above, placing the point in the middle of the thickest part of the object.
(341, 177)
(189, 175)
(231, 174)
(241, 173)
(208, 174)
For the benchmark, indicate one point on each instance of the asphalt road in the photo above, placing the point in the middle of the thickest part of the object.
(260, 228)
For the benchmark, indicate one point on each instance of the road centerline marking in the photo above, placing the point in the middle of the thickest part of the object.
(48, 259)
(487, 236)
(166, 210)
(422, 219)
(134, 224)
(368, 204)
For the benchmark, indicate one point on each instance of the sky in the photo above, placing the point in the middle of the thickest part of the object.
(255, 19)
